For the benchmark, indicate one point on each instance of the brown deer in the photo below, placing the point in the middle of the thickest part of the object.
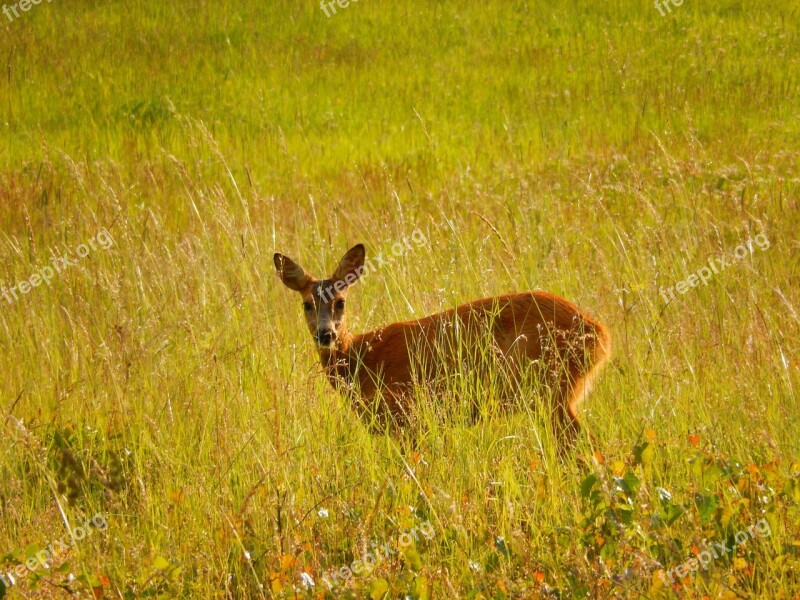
(524, 332)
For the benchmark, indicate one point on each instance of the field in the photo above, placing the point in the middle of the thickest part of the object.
(159, 391)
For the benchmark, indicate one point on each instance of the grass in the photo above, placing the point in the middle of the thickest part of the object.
(596, 150)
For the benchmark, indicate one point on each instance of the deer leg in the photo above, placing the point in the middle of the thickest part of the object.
(565, 417)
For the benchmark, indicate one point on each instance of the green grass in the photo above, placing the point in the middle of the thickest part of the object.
(593, 149)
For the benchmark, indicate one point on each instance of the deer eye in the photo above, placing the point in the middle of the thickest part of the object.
(339, 305)
(308, 306)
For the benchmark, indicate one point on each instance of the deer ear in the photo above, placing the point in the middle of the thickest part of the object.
(351, 266)
(293, 275)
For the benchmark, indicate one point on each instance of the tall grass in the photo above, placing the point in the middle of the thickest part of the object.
(595, 150)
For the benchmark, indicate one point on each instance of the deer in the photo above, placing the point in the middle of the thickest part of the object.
(379, 371)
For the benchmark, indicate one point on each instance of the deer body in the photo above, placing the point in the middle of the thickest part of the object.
(378, 370)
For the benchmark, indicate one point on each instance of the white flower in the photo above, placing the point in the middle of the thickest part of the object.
(323, 512)
(663, 494)
(307, 580)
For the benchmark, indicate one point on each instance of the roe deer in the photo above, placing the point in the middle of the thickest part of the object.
(377, 370)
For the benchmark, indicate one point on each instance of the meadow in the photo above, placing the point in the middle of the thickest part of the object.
(165, 385)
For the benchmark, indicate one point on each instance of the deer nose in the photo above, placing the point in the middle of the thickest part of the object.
(326, 337)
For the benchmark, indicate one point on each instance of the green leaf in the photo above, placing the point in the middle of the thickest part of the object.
(608, 550)
(696, 466)
(161, 563)
(587, 485)
(631, 483)
(672, 513)
(422, 588)
(711, 475)
(772, 521)
(413, 559)
(90, 581)
(65, 568)
(379, 589)
(625, 513)
(644, 453)
(706, 506)
(792, 489)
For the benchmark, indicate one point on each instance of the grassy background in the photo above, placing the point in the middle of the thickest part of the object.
(594, 149)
